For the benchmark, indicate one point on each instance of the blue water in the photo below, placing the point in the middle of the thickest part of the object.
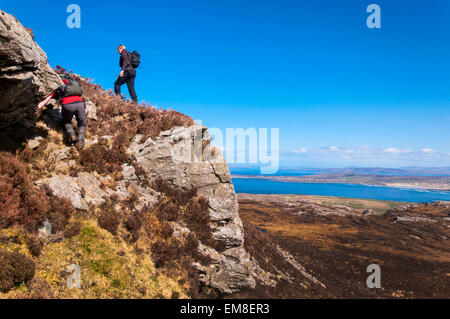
(259, 186)
(280, 172)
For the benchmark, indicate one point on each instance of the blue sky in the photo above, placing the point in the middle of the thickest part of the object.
(340, 93)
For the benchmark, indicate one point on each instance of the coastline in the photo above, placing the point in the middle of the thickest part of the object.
(424, 183)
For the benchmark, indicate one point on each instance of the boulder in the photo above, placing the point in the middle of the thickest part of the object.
(85, 189)
(25, 75)
(35, 142)
(65, 187)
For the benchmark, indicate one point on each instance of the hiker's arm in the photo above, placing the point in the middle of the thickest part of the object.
(44, 102)
(54, 95)
(126, 61)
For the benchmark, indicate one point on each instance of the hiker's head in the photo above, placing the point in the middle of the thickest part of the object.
(120, 48)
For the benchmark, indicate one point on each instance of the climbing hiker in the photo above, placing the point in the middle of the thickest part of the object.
(128, 63)
(69, 95)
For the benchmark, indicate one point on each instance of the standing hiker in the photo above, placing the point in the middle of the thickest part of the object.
(128, 63)
(72, 104)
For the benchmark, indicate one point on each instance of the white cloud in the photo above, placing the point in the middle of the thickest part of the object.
(365, 155)
(300, 151)
(391, 150)
(394, 150)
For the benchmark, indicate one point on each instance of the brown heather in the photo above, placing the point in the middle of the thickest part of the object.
(24, 205)
(15, 268)
(191, 210)
(109, 219)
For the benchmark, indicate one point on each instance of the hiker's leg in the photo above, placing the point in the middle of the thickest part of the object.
(130, 84)
(80, 114)
(67, 115)
(119, 82)
(81, 137)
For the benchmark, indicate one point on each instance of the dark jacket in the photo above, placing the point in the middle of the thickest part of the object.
(125, 60)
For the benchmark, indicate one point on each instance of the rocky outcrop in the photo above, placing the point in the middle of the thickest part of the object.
(185, 157)
(25, 76)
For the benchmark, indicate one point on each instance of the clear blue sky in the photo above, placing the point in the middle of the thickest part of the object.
(340, 93)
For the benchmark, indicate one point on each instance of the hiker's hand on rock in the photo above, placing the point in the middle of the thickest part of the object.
(43, 103)
(39, 106)
(121, 74)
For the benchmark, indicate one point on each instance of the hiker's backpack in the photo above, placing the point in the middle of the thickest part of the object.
(72, 88)
(135, 59)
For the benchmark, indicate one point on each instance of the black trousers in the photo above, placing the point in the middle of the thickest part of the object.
(128, 77)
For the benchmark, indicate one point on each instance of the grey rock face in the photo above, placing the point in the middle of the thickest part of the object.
(66, 187)
(184, 157)
(91, 111)
(35, 142)
(25, 76)
(85, 190)
(229, 271)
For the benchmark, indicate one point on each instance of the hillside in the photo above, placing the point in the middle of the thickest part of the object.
(335, 244)
(146, 210)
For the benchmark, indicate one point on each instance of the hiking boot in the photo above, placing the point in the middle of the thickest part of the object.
(71, 134)
(72, 139)
(81, 137)
(80, 145)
